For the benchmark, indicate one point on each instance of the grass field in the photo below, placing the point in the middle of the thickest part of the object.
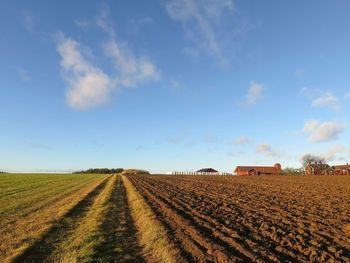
(114, 218)
(32, 203)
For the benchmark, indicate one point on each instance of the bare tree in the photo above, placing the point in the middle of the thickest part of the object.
(309, 158)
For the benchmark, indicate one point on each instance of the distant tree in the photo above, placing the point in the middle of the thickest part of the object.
(309, 158)
(101, 171)
(135, 172)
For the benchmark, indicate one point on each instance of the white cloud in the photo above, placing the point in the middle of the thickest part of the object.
(254, 93)
(131, 70)
(347, 95)
(336, 152)
(201, 21)
(265, 149)
(242, 140)
(326, 100)
(322, 131)
(89, 86)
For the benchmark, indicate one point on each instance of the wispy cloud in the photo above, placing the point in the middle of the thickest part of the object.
(40, 146)
(131, 70)
(202, 22)
(176, 86)
(347, 95)
(322, 99)
(23, 74)
(175, 139)
(82, 23)
(309, 93)
(137, 24)
(28, 22)
(300, 72)
(242, 140)
(265, 149)
(254, 93)
(322, 131)
(334, 153)
(103, 20)
(327, 100)
(211, 139)
(89, 86)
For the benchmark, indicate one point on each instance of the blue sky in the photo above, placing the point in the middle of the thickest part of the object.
(173, 84)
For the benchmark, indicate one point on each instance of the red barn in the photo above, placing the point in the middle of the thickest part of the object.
(258, 170)
(342, 169)
(325, 169)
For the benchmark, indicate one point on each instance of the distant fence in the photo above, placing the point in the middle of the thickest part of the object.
(199, 173)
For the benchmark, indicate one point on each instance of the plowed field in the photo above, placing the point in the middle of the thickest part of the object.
(259, 219)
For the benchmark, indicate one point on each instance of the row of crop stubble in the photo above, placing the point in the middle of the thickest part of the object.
(259, 219)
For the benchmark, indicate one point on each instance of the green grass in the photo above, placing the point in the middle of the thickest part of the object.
(30, 203)
(22, 193)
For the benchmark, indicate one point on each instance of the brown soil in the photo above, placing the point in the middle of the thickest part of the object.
(253, 219)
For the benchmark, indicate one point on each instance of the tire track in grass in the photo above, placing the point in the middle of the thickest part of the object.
(43, 248)
(118, 231)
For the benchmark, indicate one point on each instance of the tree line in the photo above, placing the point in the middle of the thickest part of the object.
(101, 171)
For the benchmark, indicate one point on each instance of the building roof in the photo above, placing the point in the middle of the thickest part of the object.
(346, 166)
(207, 170)
(262, 169)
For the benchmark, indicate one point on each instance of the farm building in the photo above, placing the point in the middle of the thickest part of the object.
(207, 170)
(258, 170)
(318, 168)
(325, 169)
